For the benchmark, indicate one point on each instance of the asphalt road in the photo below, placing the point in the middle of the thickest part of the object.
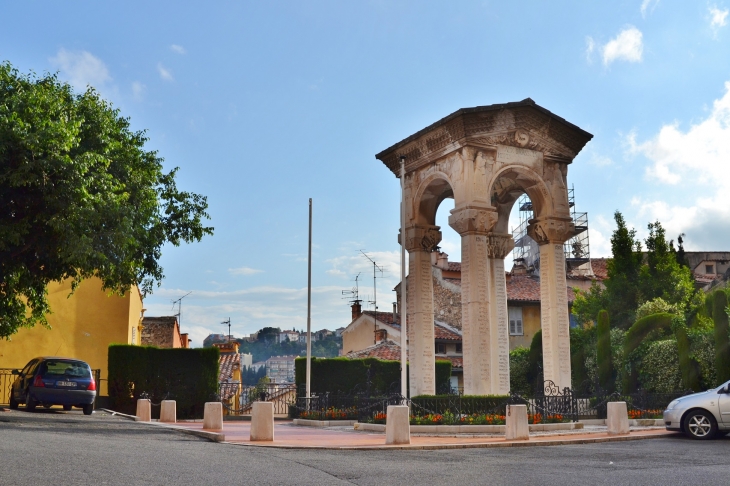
(57, 448)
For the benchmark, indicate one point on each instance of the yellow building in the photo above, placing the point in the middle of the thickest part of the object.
(82, 326)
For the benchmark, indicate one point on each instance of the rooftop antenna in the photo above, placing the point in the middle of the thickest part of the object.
(179, 308)
(376, 268)
(354, 293)
(229, 328)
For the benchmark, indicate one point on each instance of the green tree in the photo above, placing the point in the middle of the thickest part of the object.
(79, 197)
(603, 353)
(622, 285)
(722, 336)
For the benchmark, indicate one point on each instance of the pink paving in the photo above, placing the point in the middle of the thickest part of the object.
(288, 435)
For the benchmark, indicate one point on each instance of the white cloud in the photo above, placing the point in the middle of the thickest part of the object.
(590, 47)
(138, 90)
(718, 18)
(600, 160)
(244, 271)
(81, 69)
(165, 73)
(627, 46)
(695, 163)
(178, 49)
(648, 6)
(598, 228)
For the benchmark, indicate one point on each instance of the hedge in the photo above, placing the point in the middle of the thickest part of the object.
(188, 376)
(519, 371)
(722, 336)
(635, 336)
(659, 369)
(345, 375)
(462, 404)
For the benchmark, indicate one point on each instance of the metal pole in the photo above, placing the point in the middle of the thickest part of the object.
(403, 306)
(309, 306)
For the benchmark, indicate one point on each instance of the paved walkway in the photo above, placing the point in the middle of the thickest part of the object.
(287, 435)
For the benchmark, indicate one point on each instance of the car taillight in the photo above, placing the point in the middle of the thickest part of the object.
(92, 385)
(38, 381)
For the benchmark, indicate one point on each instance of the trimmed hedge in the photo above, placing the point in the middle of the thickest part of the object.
(688, 365)
(659, 371)
(345, 375)
(463, 404)
(722, 336)
(635, 336)
(519, 371)
(188, 376)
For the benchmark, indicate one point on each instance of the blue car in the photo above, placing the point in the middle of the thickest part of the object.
(50, 381)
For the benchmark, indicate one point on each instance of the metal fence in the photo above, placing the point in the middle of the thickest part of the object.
(238, 399)
(7, 378)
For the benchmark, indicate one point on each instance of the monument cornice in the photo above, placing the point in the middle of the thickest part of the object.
(522, 124)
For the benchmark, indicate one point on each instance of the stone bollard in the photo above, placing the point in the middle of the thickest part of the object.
(515, 423)
(398, 425)
(213, 416)
(617, 418)
(262, 421)
(168, 411)
(144, 410)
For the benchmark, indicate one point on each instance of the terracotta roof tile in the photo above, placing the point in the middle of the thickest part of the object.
(443, 332)
(454, 267)
(526, 288)
(456, 361)
(383, 350)
(225, 365)
(599, 268)
(385, 318)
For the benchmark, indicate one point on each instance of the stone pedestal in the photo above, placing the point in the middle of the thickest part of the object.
(421, 353)
(617, 418)
(144, 410)
(168, 411)
(516, 426)
(397, 425)
(213, 416)
(262, 421)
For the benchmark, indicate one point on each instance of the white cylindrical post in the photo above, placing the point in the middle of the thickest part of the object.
(309, 306)
(403, 307)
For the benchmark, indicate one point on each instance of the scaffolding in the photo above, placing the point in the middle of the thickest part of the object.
(577, 249)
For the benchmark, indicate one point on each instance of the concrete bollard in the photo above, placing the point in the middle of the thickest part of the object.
(398, 425)
(617, 418)
(262, 421)
(213, 416)
(168, 411)
(516, 427)
(144, 410)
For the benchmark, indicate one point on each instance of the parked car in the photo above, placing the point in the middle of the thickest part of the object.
(702, 415)
(50, 381)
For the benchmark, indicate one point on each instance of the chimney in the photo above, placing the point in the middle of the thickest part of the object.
(356, 309)
(380, 335)
(395, 311)
(443, 261)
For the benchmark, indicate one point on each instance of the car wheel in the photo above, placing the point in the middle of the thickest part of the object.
(88, 409)
(700, 424)
(67, 407)
(30, 403)
(13, 402)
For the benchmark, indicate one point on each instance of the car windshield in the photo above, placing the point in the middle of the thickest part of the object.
(75, 369)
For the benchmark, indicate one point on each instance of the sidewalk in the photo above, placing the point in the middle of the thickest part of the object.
(290, 436)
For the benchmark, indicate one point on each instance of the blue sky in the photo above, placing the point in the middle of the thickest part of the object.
(263, 105)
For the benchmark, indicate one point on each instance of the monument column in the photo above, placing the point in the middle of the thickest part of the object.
(498, 246)
(550, 234)
(420, 241)
(474, 224)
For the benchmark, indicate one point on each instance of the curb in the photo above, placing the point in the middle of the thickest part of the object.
(476, 445)
(212, 436)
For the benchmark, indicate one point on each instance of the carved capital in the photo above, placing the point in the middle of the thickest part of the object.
(499, 245)
(550, 230)
(473, 220)
(422, 238)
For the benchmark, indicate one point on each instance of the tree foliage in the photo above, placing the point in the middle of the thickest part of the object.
(79, 197)
(603, 352)
(722, 335)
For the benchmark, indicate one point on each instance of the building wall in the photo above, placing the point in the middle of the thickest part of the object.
(359, 335)
(530, 324)
(446, 300)
(81, 326)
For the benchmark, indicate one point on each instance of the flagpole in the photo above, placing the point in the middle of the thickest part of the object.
(309, 307)
(403, 304)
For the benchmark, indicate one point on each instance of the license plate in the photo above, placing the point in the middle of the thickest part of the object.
(65, 383)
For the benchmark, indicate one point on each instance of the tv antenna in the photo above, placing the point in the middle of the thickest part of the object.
(228, 322)
(376, 268)
(354, 293)
(179, 308)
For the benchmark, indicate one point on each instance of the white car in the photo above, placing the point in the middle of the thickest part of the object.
(702, 415)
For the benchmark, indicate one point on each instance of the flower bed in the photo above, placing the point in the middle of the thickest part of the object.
(331, 413)
(645, 414)
(448, 418)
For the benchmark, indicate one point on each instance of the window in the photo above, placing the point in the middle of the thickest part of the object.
(440, 348)
(709, 269)
(515, 321)
(458, 348)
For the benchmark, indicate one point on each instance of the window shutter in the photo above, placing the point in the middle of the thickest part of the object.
(512, 327)
(518, 328)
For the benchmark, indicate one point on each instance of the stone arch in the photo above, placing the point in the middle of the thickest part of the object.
(508, 184)
(429, 195)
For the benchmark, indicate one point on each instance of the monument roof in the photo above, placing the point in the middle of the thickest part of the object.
(541, 124)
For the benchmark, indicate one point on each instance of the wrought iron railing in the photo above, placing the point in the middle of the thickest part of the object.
(238, 399)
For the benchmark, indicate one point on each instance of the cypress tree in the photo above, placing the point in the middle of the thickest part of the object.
(603, 351)
(688, 366)
(722, 336)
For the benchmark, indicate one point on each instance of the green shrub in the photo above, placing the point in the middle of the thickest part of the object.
(188, 376)
(702, 349)
(722, 335)
(582, 343)
(604, 362)
(345, 375)
(657, 306)
(519, 370)
(535, 376)
(465, 404)
(659, 370)
(657, 325)
(688, 366)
